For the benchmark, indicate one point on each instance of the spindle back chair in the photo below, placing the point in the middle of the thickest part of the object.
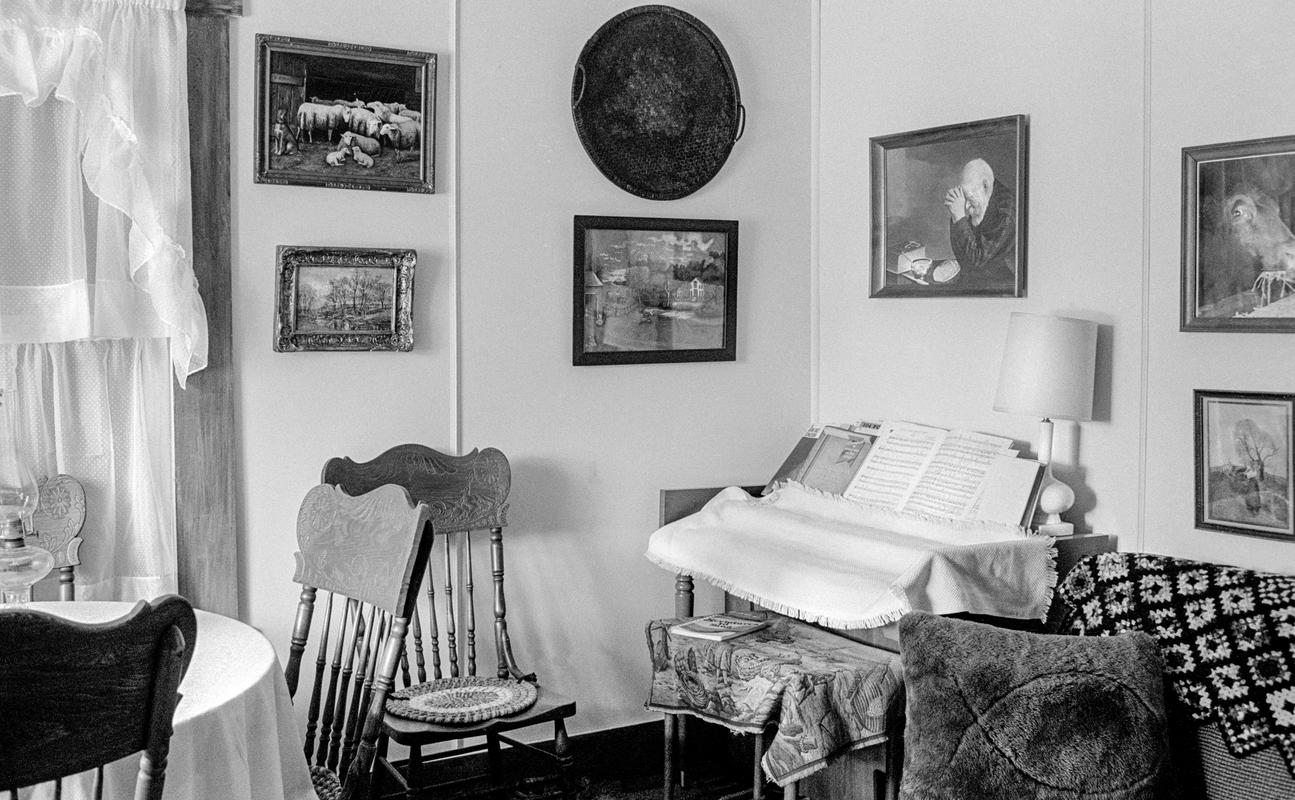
(368, 553)
(56, 526)
(76, 696)
(464, 494)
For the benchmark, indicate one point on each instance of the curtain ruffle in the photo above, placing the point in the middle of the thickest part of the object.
(122, 64)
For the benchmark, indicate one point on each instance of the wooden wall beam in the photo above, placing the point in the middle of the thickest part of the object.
(206, 492)
(220, 8)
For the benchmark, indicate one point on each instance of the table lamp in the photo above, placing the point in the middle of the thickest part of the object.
(1047, 372)
(21, 564)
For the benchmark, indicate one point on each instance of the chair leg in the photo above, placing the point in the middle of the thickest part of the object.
(668, 757)
(789, 791)
(494, 765)
(379, 769)
(413, 778)
(562, 749)
(757, 775)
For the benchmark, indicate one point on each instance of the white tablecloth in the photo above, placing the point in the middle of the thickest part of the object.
(235, 738)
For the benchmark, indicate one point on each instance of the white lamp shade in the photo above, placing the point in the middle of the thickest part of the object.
(1048, 367)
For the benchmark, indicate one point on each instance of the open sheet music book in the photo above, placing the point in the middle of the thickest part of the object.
(929, 471)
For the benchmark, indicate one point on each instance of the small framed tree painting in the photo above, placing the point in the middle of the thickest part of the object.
(1243, 462)
(344, 298)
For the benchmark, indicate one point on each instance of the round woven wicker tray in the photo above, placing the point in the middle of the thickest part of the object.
(655, 102)
(462, 701)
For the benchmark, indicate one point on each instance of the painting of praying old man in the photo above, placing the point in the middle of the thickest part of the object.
(1238, 250)
(948, 210)
(344, 116)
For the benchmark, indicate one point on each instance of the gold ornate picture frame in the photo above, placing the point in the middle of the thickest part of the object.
(343, 298)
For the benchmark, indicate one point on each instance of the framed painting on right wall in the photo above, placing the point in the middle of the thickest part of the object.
(1243, 462)
(1238, 252)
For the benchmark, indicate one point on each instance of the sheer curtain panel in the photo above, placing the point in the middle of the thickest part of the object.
(96, 226)
(98, 303)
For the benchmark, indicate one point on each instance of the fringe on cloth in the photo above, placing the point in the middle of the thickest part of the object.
(844, 623)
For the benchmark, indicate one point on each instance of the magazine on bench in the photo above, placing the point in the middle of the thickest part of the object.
(719, 627)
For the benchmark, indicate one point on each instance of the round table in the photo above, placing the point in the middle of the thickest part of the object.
(235, 738)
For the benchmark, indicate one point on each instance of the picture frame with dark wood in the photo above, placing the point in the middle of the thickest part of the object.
(1244, 470)
(654, 290)
(344, 298)
(1238, 252)
(344, 116)
(949, 210)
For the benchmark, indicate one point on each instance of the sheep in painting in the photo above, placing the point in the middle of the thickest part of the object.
(403, 136)
(362, 121)
(369, 146)
(313, 117)
(337, 157)
(360, 157)
(399, 108)
(409, 113)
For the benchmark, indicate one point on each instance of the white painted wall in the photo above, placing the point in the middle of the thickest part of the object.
(1114, 91)
(590, 446)
(1076, 70)
(1213, 79)
(296, 410)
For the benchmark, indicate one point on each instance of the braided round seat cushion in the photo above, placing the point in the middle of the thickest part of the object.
(327, 786)
(462, 701)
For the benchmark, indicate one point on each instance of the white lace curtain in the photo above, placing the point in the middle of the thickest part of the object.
(98, 303)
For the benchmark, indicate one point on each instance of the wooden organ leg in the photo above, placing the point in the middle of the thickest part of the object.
(667, 779)
(683, 597)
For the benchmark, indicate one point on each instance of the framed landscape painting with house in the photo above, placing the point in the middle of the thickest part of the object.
(949, 210)
(344, 116)
(652, 291)
(344, 298)
(1238, 270)
(1243, 462)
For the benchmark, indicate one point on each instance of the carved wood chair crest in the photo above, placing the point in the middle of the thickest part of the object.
(56, 526)
(368, 553)
(76, 697)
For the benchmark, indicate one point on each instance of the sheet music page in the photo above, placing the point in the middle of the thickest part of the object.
(955, 474)
(894, 464)
(1008, 492)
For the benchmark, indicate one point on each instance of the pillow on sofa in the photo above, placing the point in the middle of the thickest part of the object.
(995, 713)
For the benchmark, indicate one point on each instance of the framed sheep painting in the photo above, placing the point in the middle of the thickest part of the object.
(344, 116)
(1238, 270)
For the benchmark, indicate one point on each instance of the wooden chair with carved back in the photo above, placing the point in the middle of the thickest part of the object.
(74, 696)
(464, 494)
(56, 526)
(368, 554)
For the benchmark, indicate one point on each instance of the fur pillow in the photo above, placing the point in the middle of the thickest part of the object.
(995, 713)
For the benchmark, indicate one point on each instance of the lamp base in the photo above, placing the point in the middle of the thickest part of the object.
(1055, 529)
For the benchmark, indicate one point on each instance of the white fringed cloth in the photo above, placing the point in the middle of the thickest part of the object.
(830, 561)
